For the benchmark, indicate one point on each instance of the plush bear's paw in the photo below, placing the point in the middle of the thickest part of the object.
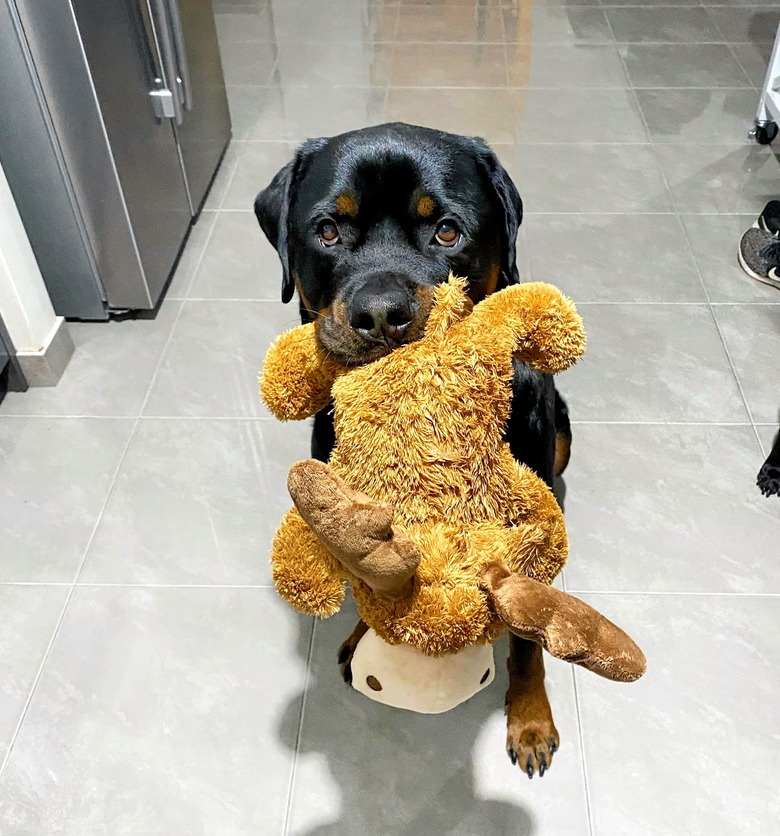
(531, 745)
(769, 480)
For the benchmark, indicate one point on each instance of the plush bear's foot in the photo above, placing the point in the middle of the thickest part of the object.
(356, 529)
(769, 480)
(347, 651)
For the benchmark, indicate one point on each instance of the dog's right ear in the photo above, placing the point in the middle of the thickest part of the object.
(272, 207)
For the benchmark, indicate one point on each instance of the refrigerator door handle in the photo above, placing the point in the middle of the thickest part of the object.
(170, 95)
(181, 53)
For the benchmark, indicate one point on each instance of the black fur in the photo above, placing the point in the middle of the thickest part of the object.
(384, 244)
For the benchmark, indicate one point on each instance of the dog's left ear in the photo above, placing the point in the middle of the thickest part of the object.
(272, 207)
(512, 205)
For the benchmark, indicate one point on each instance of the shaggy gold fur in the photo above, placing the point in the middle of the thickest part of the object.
(420, 435)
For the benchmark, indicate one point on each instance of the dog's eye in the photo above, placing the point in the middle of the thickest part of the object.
(328, 233)
(447, 234)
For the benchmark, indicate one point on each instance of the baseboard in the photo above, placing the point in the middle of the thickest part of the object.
(45, 367)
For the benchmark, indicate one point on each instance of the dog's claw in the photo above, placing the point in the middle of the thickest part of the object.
(513, 756)
(553, 747)
(529, 767)
(542, 765)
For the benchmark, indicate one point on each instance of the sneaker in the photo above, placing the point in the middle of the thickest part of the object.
(759, 256)
(769, 219)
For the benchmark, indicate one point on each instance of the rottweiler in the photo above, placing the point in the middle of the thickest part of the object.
(366, 224)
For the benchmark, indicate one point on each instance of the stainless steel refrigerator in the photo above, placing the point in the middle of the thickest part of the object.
(113, 123)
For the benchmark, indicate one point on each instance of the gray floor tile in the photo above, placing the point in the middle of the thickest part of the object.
(190, 257)
(448, 65)
(565, 65)
(30, 614)
(597, 258)
(224, 176)
(754, 24)
(720, 178)
(714, 240)
(238, 262)
(754, 58)
(609, 3)
(211, 365)
(661, 753)
(412, 773)
(556, 23)
(109, 373)
(328, 64)
(652, 363)
(766, 435)
(595, 178)
(334, 21)
(687, 532)
(245, 102)
(234, 26)
(197, 502)
(752, 335)
(474, 22)
(296, 113)
(257, 163)
(682, 65)
(247, 63)
(485, 113)
(649, 25)
(54, 478)
(578, 116)
(698, 116)
(739, 2)
(109, 747)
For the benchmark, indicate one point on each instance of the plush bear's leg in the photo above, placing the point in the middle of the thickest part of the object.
(531, 736)
(304, 572)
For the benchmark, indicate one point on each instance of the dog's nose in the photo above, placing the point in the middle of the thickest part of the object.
(381, 313)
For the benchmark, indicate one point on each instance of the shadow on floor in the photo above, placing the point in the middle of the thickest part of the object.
(396, 773)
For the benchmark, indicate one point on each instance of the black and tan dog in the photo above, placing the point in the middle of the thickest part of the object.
(366, 224)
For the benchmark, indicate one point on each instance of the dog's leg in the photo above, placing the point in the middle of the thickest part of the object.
(347, 650)
(531, 736)
(769, 475)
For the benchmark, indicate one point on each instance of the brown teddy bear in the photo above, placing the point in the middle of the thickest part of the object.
(445, 538)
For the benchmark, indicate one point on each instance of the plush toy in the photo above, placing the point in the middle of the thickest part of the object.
(445, 539)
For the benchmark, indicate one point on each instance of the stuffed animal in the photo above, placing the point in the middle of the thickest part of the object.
(445, 539)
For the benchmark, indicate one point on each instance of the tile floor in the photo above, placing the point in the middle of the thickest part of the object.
(150, 680)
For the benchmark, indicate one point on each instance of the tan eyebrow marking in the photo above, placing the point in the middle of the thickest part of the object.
(347, 205)
(425, 206)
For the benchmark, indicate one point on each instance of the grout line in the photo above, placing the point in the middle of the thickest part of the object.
(65, 606)
(294, 768)
(659, 593)
(701, 593)
(581, 735)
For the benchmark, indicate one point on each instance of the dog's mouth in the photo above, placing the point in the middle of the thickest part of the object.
(347, 346)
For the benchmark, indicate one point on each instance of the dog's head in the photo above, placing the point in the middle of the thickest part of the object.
(367, 223)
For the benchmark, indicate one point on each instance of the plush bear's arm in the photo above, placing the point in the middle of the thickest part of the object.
(297, 375)
(533, 321)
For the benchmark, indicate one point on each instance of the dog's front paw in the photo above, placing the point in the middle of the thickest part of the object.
(532, 745)
(769, 480)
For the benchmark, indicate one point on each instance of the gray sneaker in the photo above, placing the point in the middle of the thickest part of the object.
(759, 256)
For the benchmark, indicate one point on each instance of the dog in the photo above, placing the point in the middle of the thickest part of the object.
(366, 224)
